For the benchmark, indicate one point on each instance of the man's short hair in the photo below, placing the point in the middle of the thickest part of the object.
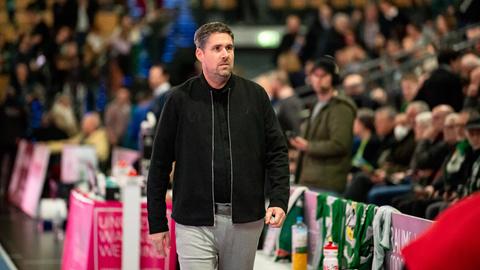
(327, 63)
(420, 106)
(161, 66)
(447, 56)
(367, 118)
(204, 32)
(388, 110)
(410, 77)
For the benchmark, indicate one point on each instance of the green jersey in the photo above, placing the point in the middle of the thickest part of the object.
(348, 224)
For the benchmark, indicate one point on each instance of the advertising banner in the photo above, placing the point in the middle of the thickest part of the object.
(404, 229)
(29, 176)
(94, 237)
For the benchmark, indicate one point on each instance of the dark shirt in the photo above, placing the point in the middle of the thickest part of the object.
(221, 154)
(443, 87)
(289, 113)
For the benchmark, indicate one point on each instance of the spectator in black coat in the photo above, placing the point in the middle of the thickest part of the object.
(444, 85)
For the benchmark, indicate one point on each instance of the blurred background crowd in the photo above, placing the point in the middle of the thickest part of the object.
(89, 71)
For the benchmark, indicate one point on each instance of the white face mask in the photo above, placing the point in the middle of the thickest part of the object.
(401, 132)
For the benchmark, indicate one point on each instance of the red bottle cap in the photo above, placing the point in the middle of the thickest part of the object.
(132, 172)
(331, 246)
(122, 163)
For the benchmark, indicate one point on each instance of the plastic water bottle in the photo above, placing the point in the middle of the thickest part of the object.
(299, 245)
(330, 253)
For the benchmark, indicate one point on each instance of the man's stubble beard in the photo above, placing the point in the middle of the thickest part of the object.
(225, 72)
(325, 90)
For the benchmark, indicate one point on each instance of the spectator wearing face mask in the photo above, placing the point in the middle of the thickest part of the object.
(397, 147)
(394, 179)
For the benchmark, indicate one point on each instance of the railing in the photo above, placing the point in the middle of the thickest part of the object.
(384, 70)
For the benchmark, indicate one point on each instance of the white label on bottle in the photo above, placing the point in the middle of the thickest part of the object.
(299, 240)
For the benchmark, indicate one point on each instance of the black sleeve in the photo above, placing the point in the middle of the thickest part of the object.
(276, 158)
(163, 155)
(289, 115)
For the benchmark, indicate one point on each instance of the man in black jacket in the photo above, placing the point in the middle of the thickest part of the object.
(444, 85)
(222, 132)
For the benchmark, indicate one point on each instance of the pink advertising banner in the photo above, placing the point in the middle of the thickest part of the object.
(404, 229)
(29, 176)
(20, 172)
(77, 253)
(104, 250)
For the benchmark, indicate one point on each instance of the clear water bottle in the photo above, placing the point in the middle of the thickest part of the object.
(330, 253)
(299, 245)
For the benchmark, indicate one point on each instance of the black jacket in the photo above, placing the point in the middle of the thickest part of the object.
(184, 135)
(443, 87)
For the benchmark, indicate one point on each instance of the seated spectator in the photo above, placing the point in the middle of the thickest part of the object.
(286, 103)
(354, 87)
(366, 155)
(63, 116)
(444, 85)
(410, 85)
(450, 171)
(425, 159)
(472, 97)
(90, 134)
(117, 116)
(455, 169)
(472, 183)
(393, 160)
(468, 63)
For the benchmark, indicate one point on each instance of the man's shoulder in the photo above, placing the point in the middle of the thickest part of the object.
(180, 90)
(246, 83)
(342, 100)
(249, 88)
(193, 81)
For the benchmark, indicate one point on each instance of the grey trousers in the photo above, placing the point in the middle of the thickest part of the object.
(224, 246)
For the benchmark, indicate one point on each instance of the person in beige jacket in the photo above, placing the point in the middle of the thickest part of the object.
(326, 142)
(91, 134)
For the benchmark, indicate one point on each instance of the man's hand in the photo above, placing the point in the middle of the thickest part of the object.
(161, 241)
(378, 176)
(299, 143)
(275, 217)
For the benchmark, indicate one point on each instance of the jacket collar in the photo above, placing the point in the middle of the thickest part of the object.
(229, 85)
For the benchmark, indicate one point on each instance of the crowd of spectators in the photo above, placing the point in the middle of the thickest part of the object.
(414, 136)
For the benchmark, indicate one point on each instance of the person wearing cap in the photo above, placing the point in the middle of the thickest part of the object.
(326, 142)
(467, 181)
(222, 133)
(472, 183)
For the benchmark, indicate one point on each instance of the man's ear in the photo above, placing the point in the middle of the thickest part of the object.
(199, 54)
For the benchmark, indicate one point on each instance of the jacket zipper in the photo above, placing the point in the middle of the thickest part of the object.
(213, 157)
(230, 149)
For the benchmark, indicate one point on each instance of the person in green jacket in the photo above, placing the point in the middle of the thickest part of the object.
(326, 142)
